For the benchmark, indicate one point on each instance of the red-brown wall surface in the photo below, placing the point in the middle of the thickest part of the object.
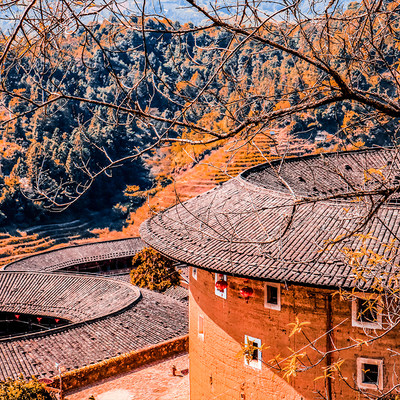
(117, 365)
(216, 370)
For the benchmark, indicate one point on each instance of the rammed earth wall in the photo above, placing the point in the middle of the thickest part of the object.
(117, 365)
(217, 367)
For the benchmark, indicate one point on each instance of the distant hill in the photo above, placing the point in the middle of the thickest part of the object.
(68, 142)
(218, 166)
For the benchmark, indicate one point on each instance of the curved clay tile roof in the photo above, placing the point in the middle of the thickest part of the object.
(86, 253)
(76, 298)
(240, 227)
(109, 317)
(154, 319)
(327, 174)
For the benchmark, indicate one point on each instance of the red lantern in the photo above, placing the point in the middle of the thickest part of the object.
(57, 320)
(39, 319)
(246, 292)
(221, 285)
(17, 316)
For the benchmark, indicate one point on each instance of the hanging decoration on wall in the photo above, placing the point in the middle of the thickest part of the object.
(246, 292)
(221, 285)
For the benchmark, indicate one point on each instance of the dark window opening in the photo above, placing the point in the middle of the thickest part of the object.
(367, 311)
(370, 374)
(254, 353)
(272, 295)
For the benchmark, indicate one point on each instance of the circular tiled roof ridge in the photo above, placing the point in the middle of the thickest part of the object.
(109, 316)
(77, 298)
(56, 259)
(327, 174)
(255, 226)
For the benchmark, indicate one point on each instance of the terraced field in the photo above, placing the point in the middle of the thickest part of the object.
(41, 238)
(219, 166)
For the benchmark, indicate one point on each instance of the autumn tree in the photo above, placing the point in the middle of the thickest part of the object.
(21, 389)
(153, 271)
(240, 70)
(245, 69)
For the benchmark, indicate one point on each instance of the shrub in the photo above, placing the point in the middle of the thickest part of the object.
(20, 389)
(153, 271)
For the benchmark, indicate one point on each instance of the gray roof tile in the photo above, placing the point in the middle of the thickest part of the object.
(110, 317)
(237, 227)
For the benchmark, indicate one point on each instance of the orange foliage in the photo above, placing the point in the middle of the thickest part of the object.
(219, 166)
(8, 149)
(281, 105)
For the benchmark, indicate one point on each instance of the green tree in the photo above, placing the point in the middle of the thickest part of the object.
(153, 271)
(20, 389)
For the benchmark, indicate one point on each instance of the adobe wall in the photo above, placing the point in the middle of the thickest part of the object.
(216, 370)
(117, 365)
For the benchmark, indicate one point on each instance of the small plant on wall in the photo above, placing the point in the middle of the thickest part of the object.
(249, 350)
(153, 271)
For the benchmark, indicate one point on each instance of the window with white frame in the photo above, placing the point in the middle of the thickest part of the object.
(194, 273)
(253, 356)
(366, 313)
(200, 326)
(370, 373)
(272, 296)
(220, 278)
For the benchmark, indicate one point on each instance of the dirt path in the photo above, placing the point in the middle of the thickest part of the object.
(154, 382)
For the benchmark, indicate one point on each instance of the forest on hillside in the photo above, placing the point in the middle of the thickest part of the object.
(52, 147)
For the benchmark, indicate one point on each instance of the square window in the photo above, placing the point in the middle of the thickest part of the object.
(272, 296)
(201, 327)
(220, 278)
(194, 273)
(365, 313)
(370, 373)
(253, 359)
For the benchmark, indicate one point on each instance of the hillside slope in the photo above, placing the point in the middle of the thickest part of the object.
(220, 165)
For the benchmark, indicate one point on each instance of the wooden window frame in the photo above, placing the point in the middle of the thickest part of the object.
(363, 324)
(256, 364)
(272, 306)
(361, 361)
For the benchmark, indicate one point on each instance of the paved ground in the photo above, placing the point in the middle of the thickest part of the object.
(154, 382)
